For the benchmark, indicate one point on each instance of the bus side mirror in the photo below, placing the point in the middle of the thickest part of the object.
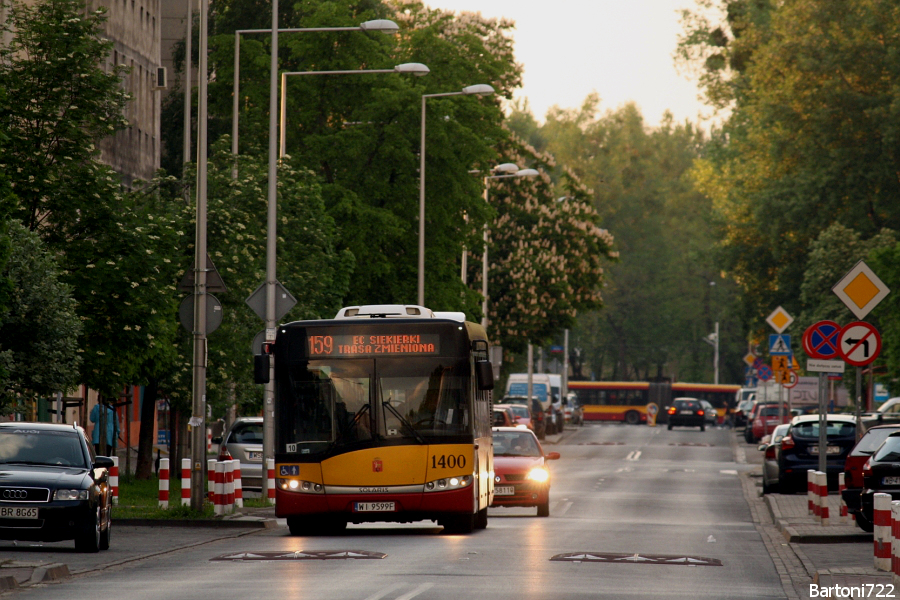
(484, 373)
(261, 366)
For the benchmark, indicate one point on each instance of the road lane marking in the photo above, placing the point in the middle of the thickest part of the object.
(633, 455)
(416, 592)
(728, 472)
(381, 594)
(560, 508)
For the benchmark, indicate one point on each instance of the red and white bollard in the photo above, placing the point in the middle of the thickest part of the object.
(219, 494)
(270, 475)
(229, 486)
(895, 535)
(208, 440)
(822, 493)
(810, 495)
(114, 480)
(185, 482)
(211, 479)
(164, 483)
(238, 486)
(882, 532)
(842, 506)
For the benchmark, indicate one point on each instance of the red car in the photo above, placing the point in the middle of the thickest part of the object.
(765, 420)
(861, 452)
(521, 477)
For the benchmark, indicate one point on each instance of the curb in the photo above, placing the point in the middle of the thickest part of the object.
(794, 535)
(8, 582)
(53, 572)
(237, 523)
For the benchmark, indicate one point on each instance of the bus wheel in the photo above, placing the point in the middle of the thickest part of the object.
(481, 519)
(460, 523)
(632, 417)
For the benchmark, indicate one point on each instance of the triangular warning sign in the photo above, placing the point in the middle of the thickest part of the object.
(214, 281)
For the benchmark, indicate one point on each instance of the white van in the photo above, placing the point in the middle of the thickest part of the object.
(542, 388)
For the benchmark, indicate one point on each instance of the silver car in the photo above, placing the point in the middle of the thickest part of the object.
(244, 442)
(712, 417)
(771, 446)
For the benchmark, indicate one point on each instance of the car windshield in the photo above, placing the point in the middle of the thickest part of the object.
(247, 433)
(889, 450)
(519, 410)
(42, 447)
(871, 440)
(510, 443)
(811, 429)
(687, 404)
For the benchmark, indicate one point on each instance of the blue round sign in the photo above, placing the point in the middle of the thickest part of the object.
(823, 340)
(764, 373)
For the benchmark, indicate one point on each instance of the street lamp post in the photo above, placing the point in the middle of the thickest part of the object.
(382, 25)
(506, 170)
(481, 89)
(417, 69)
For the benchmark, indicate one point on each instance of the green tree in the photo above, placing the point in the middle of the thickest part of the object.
(39, 327)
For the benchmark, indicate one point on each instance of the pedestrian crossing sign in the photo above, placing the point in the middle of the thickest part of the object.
(779, 344)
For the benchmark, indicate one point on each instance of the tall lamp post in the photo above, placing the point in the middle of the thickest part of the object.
(417, 69)
(505, 171)
(382, 25)
(481, 89)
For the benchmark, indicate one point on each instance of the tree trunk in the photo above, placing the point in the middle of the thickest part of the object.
(144, 468)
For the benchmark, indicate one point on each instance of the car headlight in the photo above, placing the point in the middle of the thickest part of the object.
(539, 474)
(70, 495)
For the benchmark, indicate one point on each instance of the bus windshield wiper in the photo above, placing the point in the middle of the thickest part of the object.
(350, 426)
(403, 421)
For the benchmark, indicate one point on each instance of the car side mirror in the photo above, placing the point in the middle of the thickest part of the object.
(762, 447)
(484, 374)
(261, 366)
(217, 440)
(552, 456)
(103, 462)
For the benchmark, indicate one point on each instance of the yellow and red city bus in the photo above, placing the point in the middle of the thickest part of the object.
(627, 400)
(382, 414)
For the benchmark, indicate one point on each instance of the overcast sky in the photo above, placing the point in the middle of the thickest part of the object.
(622, 49)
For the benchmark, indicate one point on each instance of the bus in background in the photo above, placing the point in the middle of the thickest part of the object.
(382, 414)
(627, 400)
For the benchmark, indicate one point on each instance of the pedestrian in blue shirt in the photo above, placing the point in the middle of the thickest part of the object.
(113, 427)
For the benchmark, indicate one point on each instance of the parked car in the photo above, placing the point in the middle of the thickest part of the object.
(573, 410)
(538, 416)
(766, 420)
(881, 474)
(853, 467)
(710, 412)
(742, 410)
(520, 471)
(54, 487)
(503, 416)
(687, 412)
(751, 416)
(244, 441)
(800, 449)
(521, 414)
(770, 448)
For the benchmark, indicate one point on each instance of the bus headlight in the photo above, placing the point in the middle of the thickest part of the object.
(298, 485)
(448, 483)
(539, 474)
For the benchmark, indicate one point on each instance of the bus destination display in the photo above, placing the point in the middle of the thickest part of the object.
(369, 345)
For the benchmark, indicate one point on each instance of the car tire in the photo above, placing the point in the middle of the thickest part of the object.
(703, 427)
(88, 540)
(863, 523)
(544, 509)
(670, 427)
(481, 519)
(106, 534)
(768, 488)
(632, 417)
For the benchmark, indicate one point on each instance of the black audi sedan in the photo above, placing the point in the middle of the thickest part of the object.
(687, 412)
(52, 486)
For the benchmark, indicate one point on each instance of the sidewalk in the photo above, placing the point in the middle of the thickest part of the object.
(836, 554)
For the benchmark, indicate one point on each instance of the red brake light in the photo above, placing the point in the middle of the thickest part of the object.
(671, 410)
(770, 453)
(701, 412)
(867, 468)
(787, 442)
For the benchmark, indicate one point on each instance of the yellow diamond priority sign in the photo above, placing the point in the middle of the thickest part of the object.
(861, 290)
(779, 319)
(750, 358)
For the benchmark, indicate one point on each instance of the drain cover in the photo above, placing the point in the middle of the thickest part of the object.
(601, 443)
(300, 555)
(642, 559)
(693, 444)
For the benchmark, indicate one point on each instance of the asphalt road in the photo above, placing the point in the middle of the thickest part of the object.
(636, 512)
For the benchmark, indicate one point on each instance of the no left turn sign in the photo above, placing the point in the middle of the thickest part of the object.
(859, 343)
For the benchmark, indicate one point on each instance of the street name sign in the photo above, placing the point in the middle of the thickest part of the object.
(861, 290)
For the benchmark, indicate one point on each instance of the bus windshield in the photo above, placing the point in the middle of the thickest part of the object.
(333, 404)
